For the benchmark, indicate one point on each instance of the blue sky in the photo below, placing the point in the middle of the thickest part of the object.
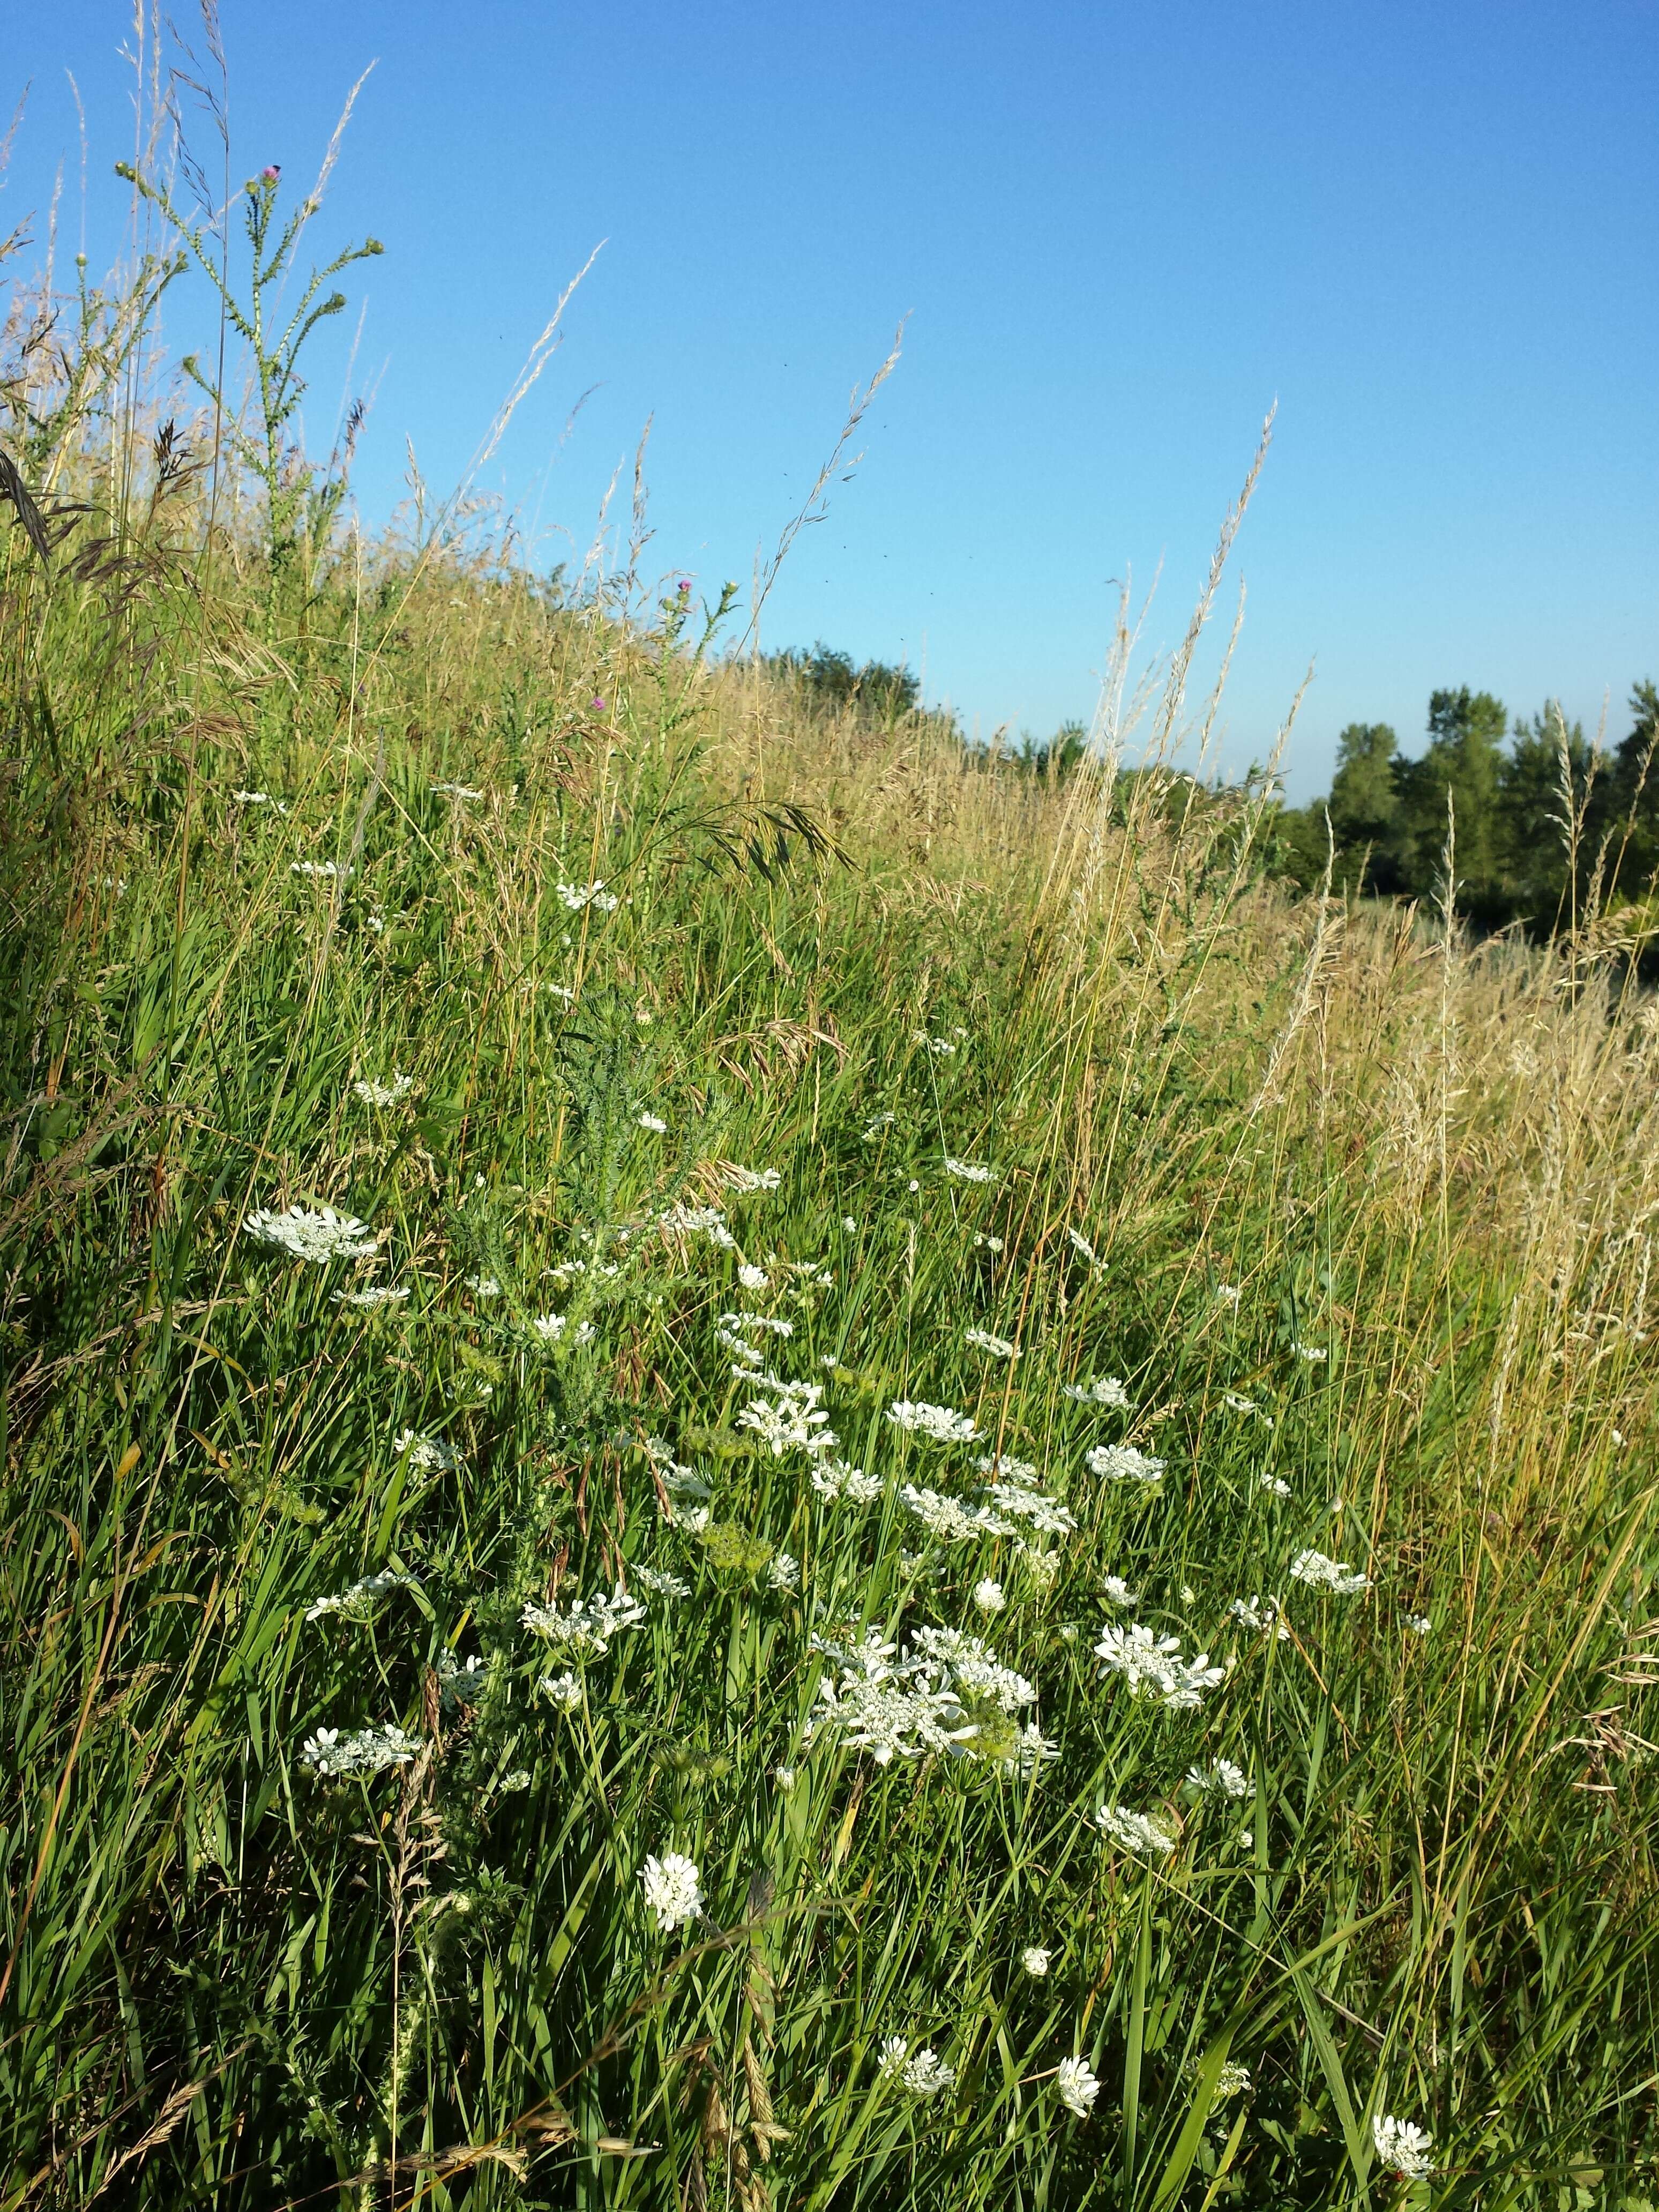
(1430, 233)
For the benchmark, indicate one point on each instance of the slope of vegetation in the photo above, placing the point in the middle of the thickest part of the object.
(749, 1462)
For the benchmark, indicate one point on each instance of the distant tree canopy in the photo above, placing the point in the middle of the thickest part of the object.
(1535, 821)
(877, 689)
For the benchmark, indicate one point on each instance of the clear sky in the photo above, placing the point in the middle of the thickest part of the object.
(1430, 232)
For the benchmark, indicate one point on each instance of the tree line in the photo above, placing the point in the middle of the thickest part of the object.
(1541, 820)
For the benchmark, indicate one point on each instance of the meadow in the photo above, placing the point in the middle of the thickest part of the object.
(750, 1461)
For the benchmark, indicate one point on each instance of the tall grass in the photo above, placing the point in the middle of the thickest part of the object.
(1360, 1215)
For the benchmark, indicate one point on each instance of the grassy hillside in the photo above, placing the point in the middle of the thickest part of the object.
(749, 1462)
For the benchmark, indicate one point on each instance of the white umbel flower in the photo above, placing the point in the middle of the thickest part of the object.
(318, 1234)
(1403, 2147)
(1104, 1390)
(359, 1602)
(1134, 1832)
(1046, 1515)
(970, 1171)
(1077, 2086)
(1153, 1665)
(1035, 1960)
(576, 896)
(373, 1093)
(673, 1890)
(999, 1348)
(1222, 1777)
(949, 1519)
(941, 1425)
(924, 2076)
(1321, 1573)
(989, 1595)
(586, 1630)
(1126, 1463)
(563, 1691)
(370, 1751)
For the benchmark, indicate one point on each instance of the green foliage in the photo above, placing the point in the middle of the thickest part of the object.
(301, 502)
(370, 1624)
(827, 678)
(1544, 829)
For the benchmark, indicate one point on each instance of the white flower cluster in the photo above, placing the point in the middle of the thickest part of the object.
(941, 1047)
(563, 1691)
(430, 1454)
(1118, 1591)
(375, 1093)
(370, 1751)
(1005, 1468)
(1134, 1832)
(1239, 1403)
(673, 1889)
(1403, 2147)
(792, 1419)
(938, 1697)
(924, 2076)
(939, 1424)
(1152, 1665)
(1259, 1613)
(260, 799)
(549, 1327)
(358, 1602)
(1078, 2087)
(586, 1630)
(999, 1348)
(731, 1324)
(949, 1519)
(318, 871)
(1083, 1248)
(1274, 1484)
(1105, 1391)
(1046, 1515)
(970, 1171)
(315, 1233)
(576, 896)
(753, 1178)
(682, 1220)
(459, 1681)
(1220, 1779)
(1126, 1463)
(1035, 1960)
(661, 1584)
(1321, 1573)
(377, 1294)
(839, 1480)
(652, 1122)
(456, 791)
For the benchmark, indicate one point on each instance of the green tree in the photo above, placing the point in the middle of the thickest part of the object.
(1365, 807)
(1536, 832)
(1466, 731)
(1632, 798)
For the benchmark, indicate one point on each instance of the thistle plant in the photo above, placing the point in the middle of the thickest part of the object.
(300, 499)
